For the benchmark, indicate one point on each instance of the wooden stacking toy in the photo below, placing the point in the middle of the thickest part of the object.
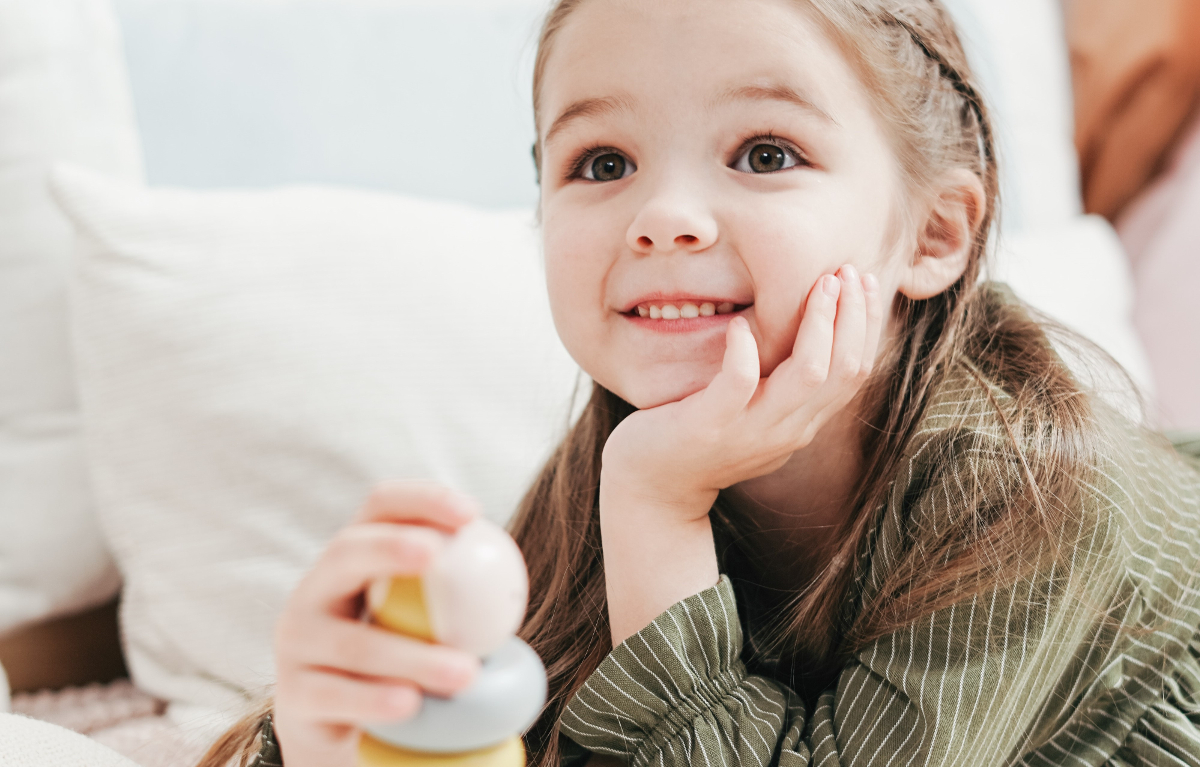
(473, 598)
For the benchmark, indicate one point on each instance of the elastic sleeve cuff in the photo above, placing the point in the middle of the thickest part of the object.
(654, 684)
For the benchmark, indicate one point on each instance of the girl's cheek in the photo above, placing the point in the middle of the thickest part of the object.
(563, 293)
(778, 332)
(563, 255)
(574, 284)
(785, 257)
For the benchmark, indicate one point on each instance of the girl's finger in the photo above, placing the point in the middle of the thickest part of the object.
(419, 502)
(365, 650)
(734, 386)
(849, 330)
(793, 382)
(360, 554)
(816, 327)
(857, 331)
(330, 697)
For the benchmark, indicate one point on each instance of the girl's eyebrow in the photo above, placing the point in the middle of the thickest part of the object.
(773, 92)
(598, 107)
(587, 108)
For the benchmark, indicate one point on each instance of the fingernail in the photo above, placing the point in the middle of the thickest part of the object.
(831, 285)
(870, 283)
(849, 273)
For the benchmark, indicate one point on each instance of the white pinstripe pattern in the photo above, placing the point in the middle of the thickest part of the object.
(1027, 675)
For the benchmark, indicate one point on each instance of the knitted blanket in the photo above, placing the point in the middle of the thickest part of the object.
(116, 715)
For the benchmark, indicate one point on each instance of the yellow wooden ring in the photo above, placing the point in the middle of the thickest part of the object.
(372, 753)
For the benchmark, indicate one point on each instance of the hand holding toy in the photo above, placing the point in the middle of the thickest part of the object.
(473, 598)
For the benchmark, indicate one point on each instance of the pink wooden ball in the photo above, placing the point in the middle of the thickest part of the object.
(476, 590)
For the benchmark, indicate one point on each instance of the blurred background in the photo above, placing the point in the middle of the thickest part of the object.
(395, 114)
(1136, 74)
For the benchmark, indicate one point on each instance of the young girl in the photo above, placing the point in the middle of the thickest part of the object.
(751, 549)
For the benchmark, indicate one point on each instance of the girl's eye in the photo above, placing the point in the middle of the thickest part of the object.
(607, 167)
(766, 158)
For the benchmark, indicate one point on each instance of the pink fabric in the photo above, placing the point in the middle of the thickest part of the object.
(1161, 231)
(117, 715)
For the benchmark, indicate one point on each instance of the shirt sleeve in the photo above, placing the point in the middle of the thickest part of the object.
(677, 693)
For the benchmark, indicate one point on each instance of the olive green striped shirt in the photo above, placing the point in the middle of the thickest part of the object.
(1091, 661)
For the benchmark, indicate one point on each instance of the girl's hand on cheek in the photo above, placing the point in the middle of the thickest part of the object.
(336, 672)
(681, 454)
(662, 467)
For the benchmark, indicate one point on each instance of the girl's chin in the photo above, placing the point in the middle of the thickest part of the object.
(647, 393)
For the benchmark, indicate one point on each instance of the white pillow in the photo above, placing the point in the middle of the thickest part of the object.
(1078, 274)
(1018, 50)
(251, 363)
(63, 94)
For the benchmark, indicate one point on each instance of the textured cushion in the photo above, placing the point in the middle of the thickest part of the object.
(63, 94)
(31, 743)
(250, 364)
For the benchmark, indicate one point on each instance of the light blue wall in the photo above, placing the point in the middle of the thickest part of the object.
(428, 99)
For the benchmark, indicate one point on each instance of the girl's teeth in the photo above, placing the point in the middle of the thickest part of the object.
(686, 311)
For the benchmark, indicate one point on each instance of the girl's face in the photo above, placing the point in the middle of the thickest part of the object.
(700, 156)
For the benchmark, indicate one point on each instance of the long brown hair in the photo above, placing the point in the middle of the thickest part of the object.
(910, 60)
(909, 57)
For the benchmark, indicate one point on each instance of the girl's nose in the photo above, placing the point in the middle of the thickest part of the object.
(668, 225)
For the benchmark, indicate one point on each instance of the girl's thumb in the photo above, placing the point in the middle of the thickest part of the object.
(734, 386)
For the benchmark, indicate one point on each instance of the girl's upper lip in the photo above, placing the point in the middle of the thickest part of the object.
(662, 297)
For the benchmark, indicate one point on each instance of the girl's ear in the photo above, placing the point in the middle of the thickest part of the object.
(945, 242)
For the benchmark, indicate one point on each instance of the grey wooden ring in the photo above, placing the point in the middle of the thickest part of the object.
(504, 701)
